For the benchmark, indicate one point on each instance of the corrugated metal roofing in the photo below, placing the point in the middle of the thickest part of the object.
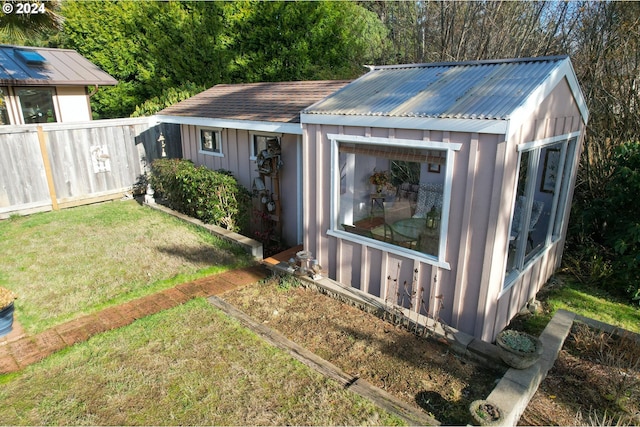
(270, 102)
(61, 67)
(466, 90)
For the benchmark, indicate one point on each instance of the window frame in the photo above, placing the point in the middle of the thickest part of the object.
(54, 102)
(334, 231)
(253, 155)
(4, 94)
(568, 152)
(218, 137)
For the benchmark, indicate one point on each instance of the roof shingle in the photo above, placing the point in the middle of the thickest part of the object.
(271, 102)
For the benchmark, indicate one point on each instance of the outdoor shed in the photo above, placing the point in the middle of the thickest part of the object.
(445, 187)
(44, 85)
(253, 130)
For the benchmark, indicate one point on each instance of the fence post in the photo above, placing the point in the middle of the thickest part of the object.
(47, 169)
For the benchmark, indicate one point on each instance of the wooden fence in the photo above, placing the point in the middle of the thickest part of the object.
(58, 165)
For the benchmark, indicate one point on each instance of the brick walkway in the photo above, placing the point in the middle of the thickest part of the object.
(15, 355)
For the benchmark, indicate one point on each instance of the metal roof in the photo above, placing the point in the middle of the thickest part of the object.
(38, 66)
(464, 90)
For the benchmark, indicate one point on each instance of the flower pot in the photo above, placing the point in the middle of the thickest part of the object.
(6, 320)
(518, 349)
(485, 413)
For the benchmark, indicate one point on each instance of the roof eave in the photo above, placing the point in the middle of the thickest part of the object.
(250, 125)
(487, 126)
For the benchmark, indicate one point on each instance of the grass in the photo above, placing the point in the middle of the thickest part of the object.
(190, 365)
(564, 292)
(66, 263)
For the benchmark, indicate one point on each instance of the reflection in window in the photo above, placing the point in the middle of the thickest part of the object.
(4, 114)
(263, 142)
(541, 200)
(392, 194)
(210, 141)
(37, 105)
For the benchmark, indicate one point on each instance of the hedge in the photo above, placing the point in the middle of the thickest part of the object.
(214, 197)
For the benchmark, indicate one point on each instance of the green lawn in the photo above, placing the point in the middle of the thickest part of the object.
(564, 292)
(190, 365)
(66, 263)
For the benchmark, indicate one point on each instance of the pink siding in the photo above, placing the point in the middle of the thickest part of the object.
(236, 149)
(483, 186)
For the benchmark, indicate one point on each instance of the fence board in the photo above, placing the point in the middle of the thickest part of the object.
(89, 161)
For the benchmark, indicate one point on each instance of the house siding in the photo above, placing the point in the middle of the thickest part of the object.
(557, 115)
(236, 157)
(482, 192)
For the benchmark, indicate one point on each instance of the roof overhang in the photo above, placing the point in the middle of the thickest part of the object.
(255, 126)
(421, 123)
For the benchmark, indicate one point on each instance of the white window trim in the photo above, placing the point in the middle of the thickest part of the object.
(535, 148)
(252, 154)
(54, 101)
(449, 148)
(218, 133)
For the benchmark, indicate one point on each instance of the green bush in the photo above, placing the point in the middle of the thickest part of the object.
(604, 242)
(211, 196)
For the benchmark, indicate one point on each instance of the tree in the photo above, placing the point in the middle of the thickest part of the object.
(21, 21)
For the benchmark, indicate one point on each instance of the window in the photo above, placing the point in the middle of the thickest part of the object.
(37, 105)
(4, 114)
(391, 193)
(260, 143)
(210, 142)
(544, 173)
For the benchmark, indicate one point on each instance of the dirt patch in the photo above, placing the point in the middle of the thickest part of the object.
(594, 381)
(420, 371)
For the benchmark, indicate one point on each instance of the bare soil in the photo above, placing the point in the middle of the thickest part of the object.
(421, 371)
(581, 388)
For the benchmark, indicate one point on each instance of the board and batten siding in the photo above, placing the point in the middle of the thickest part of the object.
(483, 189)
(236, 157)
(556, 115)
(57, 165)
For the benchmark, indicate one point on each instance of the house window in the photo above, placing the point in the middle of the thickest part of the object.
(37, 105)
(260, 143)
(544, 174)
(4, 114)
(388, 193)
(210, 142)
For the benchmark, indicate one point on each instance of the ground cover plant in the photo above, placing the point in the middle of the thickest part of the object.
(76, 261)
(189, 365)
(423, 372)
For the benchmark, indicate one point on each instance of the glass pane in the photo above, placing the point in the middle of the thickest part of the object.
(564, 187)
(543, 194)
(385, 197)
(4, 115)
(518, 210)
(37, 105)
(208, 140)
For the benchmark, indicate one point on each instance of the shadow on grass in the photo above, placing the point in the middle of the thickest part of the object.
(201, 255)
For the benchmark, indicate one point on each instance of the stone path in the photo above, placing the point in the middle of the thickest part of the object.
(19, 353)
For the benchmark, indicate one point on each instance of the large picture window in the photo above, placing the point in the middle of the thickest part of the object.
(544, 172)
(393, 195)
(37, 105)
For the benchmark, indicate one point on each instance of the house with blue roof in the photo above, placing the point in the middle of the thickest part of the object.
(445, 188)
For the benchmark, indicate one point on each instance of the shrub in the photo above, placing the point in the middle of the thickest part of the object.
(211, 196)
(604, 240)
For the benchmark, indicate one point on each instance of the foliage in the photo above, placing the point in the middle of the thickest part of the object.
(518, 341)
(153, 48)
(18, 28)
(168, 97)
(605, 239)
(202, 193)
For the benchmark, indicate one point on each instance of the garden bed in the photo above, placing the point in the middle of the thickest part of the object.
(421, 371)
